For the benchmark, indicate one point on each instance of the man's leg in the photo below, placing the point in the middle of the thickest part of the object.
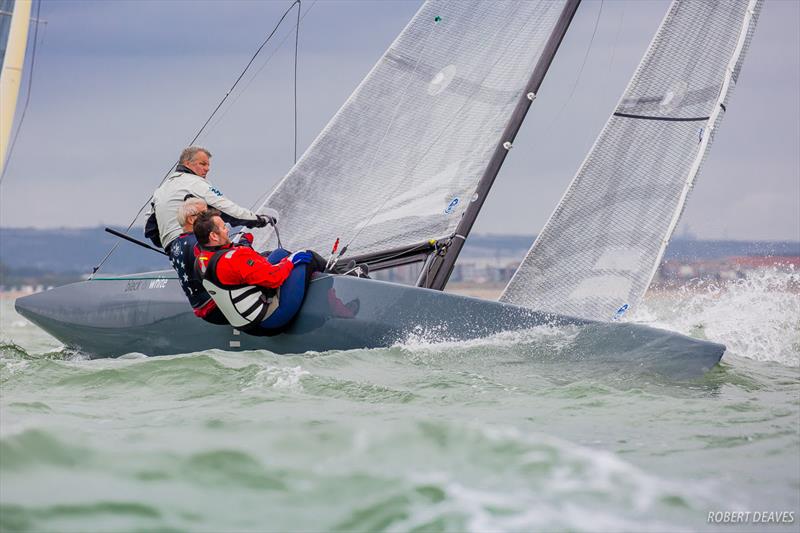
(291, 295)
(276, 255)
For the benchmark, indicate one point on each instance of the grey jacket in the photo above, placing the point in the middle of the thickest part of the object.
(171, 195)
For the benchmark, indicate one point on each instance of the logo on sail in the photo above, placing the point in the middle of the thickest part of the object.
(451, 206)
(621, 311)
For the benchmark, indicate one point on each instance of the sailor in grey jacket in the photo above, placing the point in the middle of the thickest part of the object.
(188, 180)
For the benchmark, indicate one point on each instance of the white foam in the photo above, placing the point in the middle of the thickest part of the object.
(133, 356)
(757, 317)
(278, 377)
(568, 473)
(14, 366)
(424, 338)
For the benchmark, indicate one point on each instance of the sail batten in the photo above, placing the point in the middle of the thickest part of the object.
(401, 160)
(602, 245)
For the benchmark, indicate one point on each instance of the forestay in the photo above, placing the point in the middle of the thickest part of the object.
(601, 247)
(400, 161)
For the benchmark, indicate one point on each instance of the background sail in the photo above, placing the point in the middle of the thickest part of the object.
(6, 10)
(400, 161)
(602, 245)
(14, 36)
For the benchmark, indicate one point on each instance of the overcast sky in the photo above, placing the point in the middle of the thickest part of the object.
(120, 87)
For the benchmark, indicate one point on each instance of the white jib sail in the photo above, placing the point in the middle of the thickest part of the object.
(602, 245)
(400, 161)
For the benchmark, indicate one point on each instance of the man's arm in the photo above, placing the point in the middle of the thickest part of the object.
(151, 227)
(232, 213)
(233, 221)
(254, 269)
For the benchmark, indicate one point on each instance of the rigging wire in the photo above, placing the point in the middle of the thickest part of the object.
(28, 95)
(580, 71)
(202, 129)
(253, 77)
(296, 43)
(261, 200)
(616, 37)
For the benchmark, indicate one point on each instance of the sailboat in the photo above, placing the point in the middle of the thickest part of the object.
(14, 22)
(401, 171)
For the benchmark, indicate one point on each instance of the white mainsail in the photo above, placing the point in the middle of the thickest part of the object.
(14, 21)
(400, 161)
(601, 247)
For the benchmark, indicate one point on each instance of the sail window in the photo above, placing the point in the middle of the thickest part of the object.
(382, 173)
(674, 96)
(441, 80)
(601, 287)
(619, 258)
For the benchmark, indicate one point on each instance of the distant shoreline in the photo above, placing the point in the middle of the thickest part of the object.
(13, 295)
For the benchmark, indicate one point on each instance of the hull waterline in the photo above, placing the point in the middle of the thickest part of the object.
(148, 314)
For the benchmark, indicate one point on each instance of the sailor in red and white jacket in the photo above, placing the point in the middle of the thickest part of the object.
(242, 282)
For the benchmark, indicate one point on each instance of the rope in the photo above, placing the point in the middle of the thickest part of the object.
(277, 234)
(419, 247)
(28, 96)
(202, 129)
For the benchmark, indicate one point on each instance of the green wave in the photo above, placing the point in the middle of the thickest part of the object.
(75, 517)
(11, 350)
(38, 447)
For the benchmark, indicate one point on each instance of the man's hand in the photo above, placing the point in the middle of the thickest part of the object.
(271, 214)
(300, 258)
(262, 221)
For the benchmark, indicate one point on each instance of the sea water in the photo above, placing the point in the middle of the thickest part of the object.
(494, 434)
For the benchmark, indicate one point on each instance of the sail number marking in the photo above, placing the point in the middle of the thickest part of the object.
(139, 284)
(158, 283)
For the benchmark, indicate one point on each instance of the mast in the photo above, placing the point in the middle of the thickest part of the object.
(11, 75)
(442, 265)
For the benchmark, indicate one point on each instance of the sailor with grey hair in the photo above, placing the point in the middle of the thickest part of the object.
(188, 211)
(189, 180)
(182, 253)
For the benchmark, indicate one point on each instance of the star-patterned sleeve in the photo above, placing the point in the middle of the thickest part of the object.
(182, 257)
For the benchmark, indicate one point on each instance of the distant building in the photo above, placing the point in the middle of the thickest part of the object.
(725, 268)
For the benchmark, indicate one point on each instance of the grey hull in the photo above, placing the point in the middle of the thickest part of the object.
(148, 314)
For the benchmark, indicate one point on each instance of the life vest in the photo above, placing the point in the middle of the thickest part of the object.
(245, 306)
